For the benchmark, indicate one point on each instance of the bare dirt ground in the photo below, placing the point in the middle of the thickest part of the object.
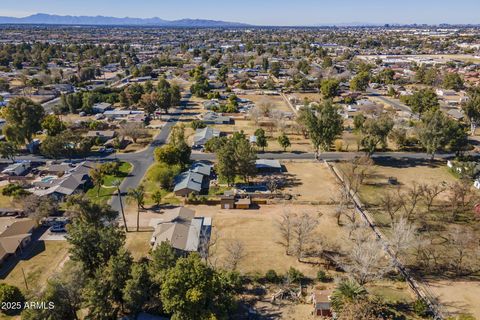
(277, 101)
(458, 297)
(310, 181)
(258, 231)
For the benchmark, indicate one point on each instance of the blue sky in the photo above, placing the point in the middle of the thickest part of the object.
(263, 12)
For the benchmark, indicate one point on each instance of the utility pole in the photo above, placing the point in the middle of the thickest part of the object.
(24, 279)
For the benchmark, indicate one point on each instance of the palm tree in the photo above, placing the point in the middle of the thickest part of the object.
(347, 291)
(137, 195)
(117, 183)
(98, 178)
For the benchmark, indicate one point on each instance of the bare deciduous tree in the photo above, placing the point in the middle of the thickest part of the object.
(410, 200)
(430, 193)
(132, 130)
(462, 198)
(402, 237)
(366, 260)
(303, 226)
(235, 253)
(285, 226)
(357, 171)
(464, 250)
(391, 204)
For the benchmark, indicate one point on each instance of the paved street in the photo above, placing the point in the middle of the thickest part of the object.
(142, 160)
(396, 104)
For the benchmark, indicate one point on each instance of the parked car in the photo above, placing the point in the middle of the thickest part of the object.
(58, 228)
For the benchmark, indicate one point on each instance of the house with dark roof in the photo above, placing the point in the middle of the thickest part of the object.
(71, 181)
(15, 234)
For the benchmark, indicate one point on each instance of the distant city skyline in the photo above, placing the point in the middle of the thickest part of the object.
(263, 12)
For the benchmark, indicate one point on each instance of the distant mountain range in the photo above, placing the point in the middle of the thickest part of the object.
(42, 18)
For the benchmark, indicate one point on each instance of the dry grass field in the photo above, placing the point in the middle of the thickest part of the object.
(277, 101)
(310, 181)
(458, 297)
(45, 259)
(258, 231)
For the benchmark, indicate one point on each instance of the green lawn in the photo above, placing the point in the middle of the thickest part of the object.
(151, 185)
(107, 190)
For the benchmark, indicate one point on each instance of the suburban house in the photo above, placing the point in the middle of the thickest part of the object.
(203, 167)
(118, 113)
(212, 104)
(17, 169)
(185, 232)
(102, 136)
(69, 180)
(203, 135)
(101, 107)
(196, 180)
(268, 166)
(190, 182)
(15, 234)
(215, 118)
(321, 303)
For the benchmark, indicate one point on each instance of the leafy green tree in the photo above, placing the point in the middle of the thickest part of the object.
(157, 197)
(360, 81)
(422, 101)
(324, 127)
(163, 258)
(150, 102)
(198, 124)
(375, 132)
(191, 290)
(200, 86)
(24, 116)
(12, 294)
(284, 141)
(137, 289)
(97, 175)
(137, 196)
(275, 69)
(329, 88)
(8, 150)
(226, 162)
(65, 292)
(93, 245)
(472, 108)
(245, 157)
(433, 132)
(53, 125)
(262, 141)
(453, 81)
(175, 95)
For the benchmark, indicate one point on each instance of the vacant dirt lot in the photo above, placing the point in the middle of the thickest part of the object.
(459, 297)
(277, 101)
(310, 181)
(407, 172)
(258, 231)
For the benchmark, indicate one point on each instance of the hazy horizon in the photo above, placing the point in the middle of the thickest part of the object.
(268, 12)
